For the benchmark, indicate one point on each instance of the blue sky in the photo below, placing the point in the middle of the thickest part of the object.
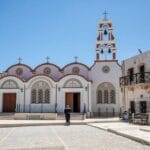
(62, 29)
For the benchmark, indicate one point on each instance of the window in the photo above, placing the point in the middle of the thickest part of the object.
(73, 83)
(40, 92)
(106, 96)
(131, 74)
(9, 84)
(33, 96)
(99, 97)
(112, 96)
(142, 74)
(106, 93)
(47, 96)
(40, 96)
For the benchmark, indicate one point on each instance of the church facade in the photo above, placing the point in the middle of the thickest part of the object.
(48, 88)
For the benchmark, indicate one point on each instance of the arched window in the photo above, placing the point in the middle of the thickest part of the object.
(99, 97)
(9, 84)
(40, 92)
(73, 83)
(106, 93)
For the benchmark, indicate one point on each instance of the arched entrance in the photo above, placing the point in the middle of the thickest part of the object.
(73, 98)
(9, 98)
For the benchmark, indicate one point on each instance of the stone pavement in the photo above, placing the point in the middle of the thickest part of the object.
(74, 137)
(135, 132)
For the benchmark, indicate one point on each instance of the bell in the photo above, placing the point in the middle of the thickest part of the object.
(109, 50)
(105, 32)
(102, 51)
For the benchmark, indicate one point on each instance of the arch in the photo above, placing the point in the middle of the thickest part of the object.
(40, 92)
(24, 65)
(50, 64)
(37, 78)
(9, 84)
(72, 83)
(14, 77)
(76, 63)
(106, 93)
(77, 75)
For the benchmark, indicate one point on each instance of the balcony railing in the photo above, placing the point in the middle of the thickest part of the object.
(137, 78)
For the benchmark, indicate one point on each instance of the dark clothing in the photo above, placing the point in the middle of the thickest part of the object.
(67, 112)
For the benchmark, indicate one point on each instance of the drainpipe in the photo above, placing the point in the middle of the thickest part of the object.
(24, 99)
(123, 73)
(56, 100)
(88, 98)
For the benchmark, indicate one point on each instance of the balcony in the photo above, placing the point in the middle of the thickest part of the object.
(137, 78)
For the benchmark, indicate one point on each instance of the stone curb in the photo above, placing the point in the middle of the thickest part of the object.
(142, 141)
(5, 125)
(145, 130)
(38, 124)
(97, 127)
(137, 139)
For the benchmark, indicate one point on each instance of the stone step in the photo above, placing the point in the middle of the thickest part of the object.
(40, 116)
(6, 116)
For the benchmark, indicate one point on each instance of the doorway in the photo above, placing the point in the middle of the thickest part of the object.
(131, 74)
(73, 100)
(132, 106)
(142, 74)
(143, 107)
(9, 102)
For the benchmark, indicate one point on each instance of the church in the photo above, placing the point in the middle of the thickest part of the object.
(47, 88)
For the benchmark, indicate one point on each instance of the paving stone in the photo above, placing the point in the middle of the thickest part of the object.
(74, 137)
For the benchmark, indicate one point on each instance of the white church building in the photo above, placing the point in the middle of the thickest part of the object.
(47, 88)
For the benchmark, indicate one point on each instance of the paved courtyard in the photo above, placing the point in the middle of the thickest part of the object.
(74, 137)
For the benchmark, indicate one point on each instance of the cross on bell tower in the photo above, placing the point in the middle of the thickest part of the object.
(105, 42)
(105, 15)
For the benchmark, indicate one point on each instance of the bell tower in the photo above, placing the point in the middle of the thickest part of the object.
(105, 42)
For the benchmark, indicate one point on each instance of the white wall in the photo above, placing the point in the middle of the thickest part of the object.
(98, 77)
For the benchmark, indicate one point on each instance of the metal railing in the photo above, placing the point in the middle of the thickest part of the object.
(137, 78)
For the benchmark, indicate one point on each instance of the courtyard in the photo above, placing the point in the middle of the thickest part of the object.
(61, 137)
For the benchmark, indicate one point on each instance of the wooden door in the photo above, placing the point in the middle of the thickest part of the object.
(9, 102)
(69, 100)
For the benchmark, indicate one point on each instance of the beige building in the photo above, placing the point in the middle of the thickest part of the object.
(135, 83)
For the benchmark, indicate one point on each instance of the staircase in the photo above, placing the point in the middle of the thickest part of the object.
(40, 116)
(7, 116)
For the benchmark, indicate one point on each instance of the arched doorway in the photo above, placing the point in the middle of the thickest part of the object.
(9, 98)
(73, 98)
